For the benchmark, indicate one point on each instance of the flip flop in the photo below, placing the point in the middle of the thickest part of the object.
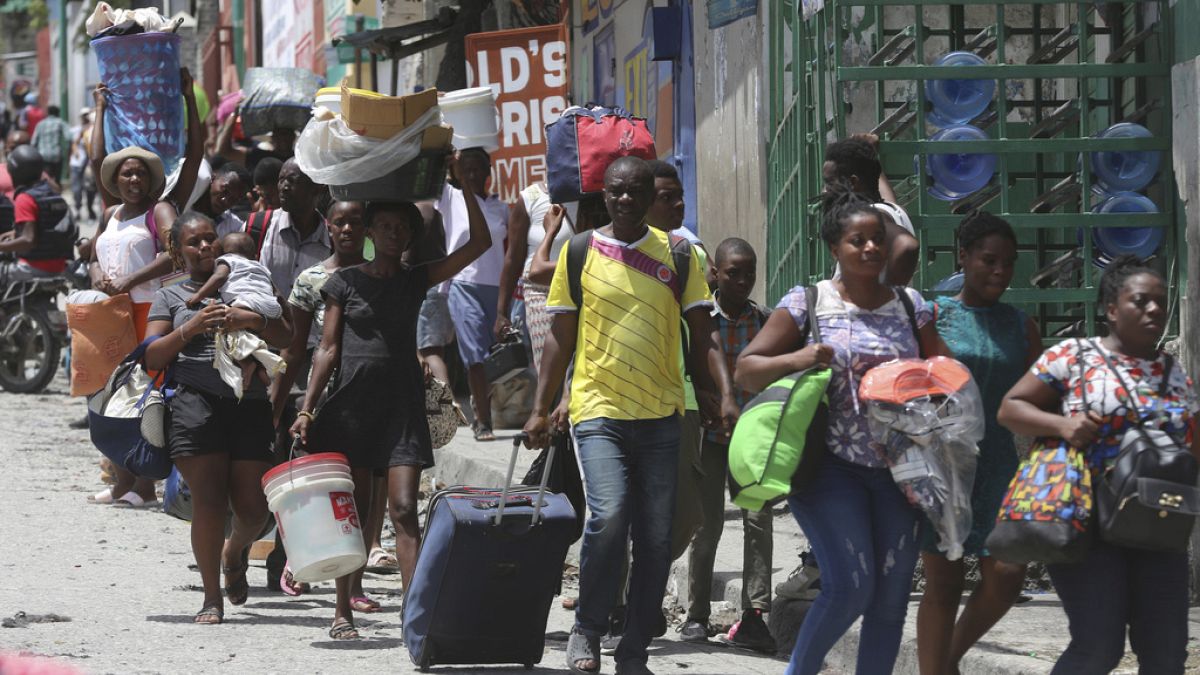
(289, 585)
(343, 629)
(361, 603)
(104, 496)
(132, 500)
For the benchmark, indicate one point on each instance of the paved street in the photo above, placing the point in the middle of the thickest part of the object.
(123, 580)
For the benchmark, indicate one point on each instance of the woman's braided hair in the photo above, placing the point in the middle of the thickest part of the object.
(175, 240)
(979, 225)
(838, 204)
(1118, 272)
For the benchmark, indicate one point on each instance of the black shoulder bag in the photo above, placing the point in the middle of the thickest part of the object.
(1148, 499)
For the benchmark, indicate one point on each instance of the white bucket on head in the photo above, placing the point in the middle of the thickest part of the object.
(472, 113)
(331, 98)
(313, 501)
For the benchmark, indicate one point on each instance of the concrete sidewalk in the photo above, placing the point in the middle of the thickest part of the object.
(1027, 641)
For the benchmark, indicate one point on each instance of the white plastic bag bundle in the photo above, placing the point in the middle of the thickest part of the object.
(150, 19)
(330, 153)
(928, 415)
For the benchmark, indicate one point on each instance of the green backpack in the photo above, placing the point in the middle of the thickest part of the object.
(779, 440)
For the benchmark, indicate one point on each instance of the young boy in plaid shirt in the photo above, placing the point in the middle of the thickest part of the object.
(737, 319)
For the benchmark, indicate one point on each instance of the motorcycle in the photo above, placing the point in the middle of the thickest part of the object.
(33, 332)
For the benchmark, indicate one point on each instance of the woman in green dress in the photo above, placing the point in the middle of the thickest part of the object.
(997, 342)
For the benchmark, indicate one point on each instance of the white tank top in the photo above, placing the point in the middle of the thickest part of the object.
(125, 247)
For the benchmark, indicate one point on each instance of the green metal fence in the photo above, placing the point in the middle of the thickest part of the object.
(1064, 72)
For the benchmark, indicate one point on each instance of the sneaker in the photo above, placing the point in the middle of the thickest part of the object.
(694, 631)
(804, 583)
(616, 628)
(752, 633)
(609, 644)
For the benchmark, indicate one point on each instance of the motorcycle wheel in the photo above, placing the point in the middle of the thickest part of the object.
(29, 355)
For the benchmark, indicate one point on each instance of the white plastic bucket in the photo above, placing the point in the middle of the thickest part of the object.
(472, 113)
(313, 501)
(331, 98)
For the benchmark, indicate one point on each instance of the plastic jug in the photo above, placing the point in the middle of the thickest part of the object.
(1125, 170)
(958, 101)
(1142, 242)
(956, 176)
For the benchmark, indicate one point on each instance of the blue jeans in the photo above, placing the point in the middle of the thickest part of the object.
(865, 537)
(630, 472)
(1115, 587)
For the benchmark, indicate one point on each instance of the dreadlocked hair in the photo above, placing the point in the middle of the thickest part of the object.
(175, 239)
(838, 204)
(1118, 272)
(979, 225)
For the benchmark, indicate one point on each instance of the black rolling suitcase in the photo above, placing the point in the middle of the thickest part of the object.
(487, 572)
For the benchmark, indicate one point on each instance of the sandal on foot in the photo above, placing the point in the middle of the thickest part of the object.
(343, 629)
(483, 433)
(210, 615)
(582, 648)
(380, 561)
(361, 603)
(104, 496)
(237, 592)
(132, 500)
(289, 585)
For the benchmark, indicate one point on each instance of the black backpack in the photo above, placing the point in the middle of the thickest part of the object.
(1148, 499)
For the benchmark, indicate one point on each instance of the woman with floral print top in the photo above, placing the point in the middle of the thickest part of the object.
(1115, 587)
(861, 526)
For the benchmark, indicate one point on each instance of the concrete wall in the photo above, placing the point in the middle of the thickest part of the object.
(731, 133)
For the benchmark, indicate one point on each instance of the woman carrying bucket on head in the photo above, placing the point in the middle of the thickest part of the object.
(375, 413)
(221, 446)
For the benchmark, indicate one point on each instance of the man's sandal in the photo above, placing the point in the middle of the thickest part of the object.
(343, 629)
(582, 648)
(210, 615)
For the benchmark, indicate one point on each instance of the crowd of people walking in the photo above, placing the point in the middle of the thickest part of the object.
(647, 345)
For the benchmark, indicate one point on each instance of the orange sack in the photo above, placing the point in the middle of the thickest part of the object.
(102, 334)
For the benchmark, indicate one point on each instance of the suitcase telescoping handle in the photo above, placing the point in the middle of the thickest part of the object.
(512, 465)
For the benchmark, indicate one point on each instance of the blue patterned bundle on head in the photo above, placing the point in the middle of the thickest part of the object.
(145, 103)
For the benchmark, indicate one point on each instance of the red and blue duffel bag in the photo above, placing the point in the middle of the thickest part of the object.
(584, 141)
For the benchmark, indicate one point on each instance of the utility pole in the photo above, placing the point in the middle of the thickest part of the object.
(63, 95)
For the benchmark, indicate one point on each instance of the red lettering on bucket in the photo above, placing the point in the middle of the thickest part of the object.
(343, 507)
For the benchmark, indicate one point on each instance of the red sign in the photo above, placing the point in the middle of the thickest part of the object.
(527, 68)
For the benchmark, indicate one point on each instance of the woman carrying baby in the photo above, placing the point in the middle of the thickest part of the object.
(221, 446)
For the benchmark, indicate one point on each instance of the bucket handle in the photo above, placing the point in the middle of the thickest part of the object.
(512, 464)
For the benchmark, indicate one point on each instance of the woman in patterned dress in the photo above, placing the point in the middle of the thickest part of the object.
(1115, 589)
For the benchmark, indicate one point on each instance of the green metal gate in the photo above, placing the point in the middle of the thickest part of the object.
(1064, 72)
